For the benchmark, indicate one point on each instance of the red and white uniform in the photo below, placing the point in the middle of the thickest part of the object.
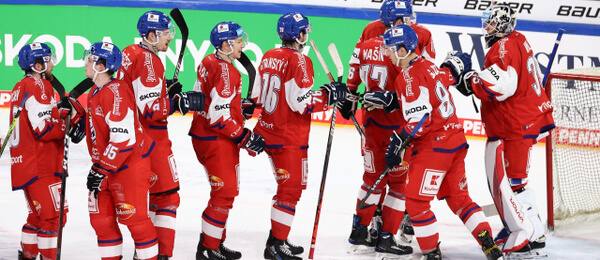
(284, 91)
(514, 104)
(437, 167)
(117, 143)
(216, 132)
(378, 73)
(36, 150)
(144, 72)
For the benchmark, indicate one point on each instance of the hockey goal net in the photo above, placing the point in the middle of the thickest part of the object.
(573, 148)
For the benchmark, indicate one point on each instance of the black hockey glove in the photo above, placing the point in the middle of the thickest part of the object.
(347, 106)
(252, 142)
(189, 101)
(173, 87)
(248, 106)
(393, 155)
(387, 100)
(77, 132)
(337, 91)
(463, 84)
(458, 62)
(70, 106)
(96, 180)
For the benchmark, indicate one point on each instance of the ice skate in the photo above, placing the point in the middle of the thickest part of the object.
(229, 253)
(361, 240)
(376, 223)
(279, 250)
(490, 249)
(435, 254)
(296, 250)
(533, 250)
(204, 253)
(162, 257)
(406, 231)
(387, 249)
(22, 257)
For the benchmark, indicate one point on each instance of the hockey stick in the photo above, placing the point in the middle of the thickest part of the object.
(245, 61)
(81, 88)
(558, 38)
(178, 18)
(340, 71)
(335, 56)
(14, 122)
(65, 163)
(410, 138)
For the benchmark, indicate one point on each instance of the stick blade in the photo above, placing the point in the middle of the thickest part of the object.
(335, 56)
(178, 18)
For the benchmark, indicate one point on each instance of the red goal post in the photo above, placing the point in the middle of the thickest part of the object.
(573, 147)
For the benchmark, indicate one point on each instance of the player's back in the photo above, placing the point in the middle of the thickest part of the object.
(528, 110)
(285, 96)
(425, 46)
(424, 90)
(377, 73)
(373, 29)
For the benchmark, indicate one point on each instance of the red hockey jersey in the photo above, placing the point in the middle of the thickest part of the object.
(377, 73)
(377, 29)
(514, 104)
(222, 116)
(144, 72)
(114, 135)
(36, 143)
(287, 99)
(422, 88)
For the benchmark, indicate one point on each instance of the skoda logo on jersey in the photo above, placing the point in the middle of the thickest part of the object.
(220, 107)
(223, 28)
(119, 130)
(153, 18)
(415, 109)
(150, 95)
(304, 97)
(494, 73)
(397, 32)
(45, 113)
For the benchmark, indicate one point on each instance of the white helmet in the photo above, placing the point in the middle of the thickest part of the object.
(502, 19)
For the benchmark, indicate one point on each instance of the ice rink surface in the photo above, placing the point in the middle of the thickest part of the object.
(249, 221)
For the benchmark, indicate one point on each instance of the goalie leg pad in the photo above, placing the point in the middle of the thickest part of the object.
(526, 198)
(507, 204)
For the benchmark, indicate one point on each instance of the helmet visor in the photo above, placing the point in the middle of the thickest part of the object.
(51, 57)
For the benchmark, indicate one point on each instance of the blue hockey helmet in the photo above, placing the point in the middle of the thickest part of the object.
(107, 51)
(291, 24)
(226, 31)
(31, 52)
(154, 21)
(400, 35)
(391, 10)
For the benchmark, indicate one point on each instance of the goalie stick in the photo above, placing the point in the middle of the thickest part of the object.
(178, 18)
(340, 72)
(335, 56)
(14, 122)
(410, 138)
(556, 43)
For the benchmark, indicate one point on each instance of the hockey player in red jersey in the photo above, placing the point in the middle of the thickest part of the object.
(36, 150)
(516, 113)
(144, 71)
(437, 167)
(391, 13)
(285, 94)
(120, 175)
(218, 134)
(377, 74)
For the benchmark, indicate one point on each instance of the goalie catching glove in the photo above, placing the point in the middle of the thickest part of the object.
(347, 106)
(252, 142)
(189, 101)
(337, 91)
(393, 155)
(96, 179)
(387, 100)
